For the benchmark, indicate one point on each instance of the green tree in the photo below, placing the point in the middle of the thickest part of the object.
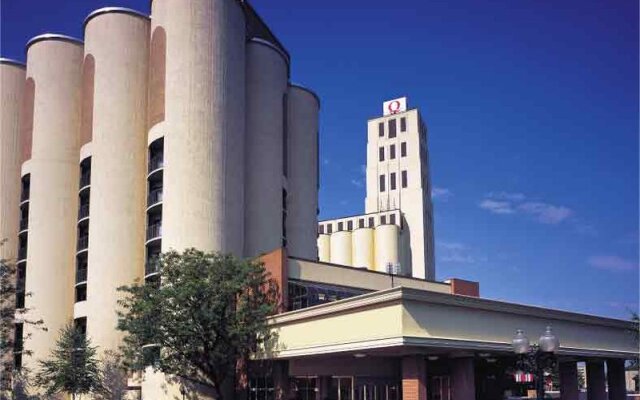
(12, 294)
(207, 314)
(634, 364)
(114, 378)
(72, 368)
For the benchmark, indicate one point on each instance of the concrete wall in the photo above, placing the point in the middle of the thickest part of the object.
(204, 124)
(266, 86)
(303, 109)
(119, 43)
(55, 65)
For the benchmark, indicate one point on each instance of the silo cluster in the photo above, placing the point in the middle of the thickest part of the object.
(181, 130)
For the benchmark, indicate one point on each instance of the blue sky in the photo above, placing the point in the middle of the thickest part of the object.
(532, 110)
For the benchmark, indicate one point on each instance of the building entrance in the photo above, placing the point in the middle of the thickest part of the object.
(377, 389)
(440, 388)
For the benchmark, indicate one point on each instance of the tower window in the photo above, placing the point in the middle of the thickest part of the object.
(382, 188)
(392, 181)
(403, 149)
(321, 229)
(371, 222)
(381, 129)
(361, 223)
(340, 226)
(350, 225)
(381, 153)
(404, 179)
(392, 219)
(383, 219)
(329, 228)
(403, 124)
(81, 325)
(392, 128)
(392, 152)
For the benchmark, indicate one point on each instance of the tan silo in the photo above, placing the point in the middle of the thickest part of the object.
(54, 63)
(12, 85)
(363, 248)
(324, 248)
(266, 87)
(303, 179)
(386, 246)
(341, 248)
(118, 41)
(204, 123)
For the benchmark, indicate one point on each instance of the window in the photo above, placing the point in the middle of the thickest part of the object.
(403, 149)
(81, 292)
(381, 129)
(383, 219)
(261, 388)
(392, 181)
(392, 128)
(381, 153)
(403, 124)
(392, 152)
(350, 225)
(81, 325)
(392, 219)
(361, 223)
(321, 229)
(404, 179)
(329, 228)
(382, 188)
(371, 222)
(340, 226)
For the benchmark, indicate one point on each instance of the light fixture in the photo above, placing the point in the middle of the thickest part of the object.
(432, 358)
(359, 355)
(548, 342)
(520, 342)
(484, 355)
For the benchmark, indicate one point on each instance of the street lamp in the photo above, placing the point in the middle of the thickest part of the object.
(536, 358)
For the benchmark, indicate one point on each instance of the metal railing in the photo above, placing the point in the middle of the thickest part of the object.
(155, 196)
(81, 274)
(83, 242)
(156, 162)
(85, 179)
(83, 211)
(154, 231)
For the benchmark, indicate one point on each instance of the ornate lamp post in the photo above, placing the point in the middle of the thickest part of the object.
(536, 358)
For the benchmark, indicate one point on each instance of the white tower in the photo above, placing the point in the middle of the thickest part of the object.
(398, 179)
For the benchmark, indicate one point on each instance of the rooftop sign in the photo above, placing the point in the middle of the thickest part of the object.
(394, 106)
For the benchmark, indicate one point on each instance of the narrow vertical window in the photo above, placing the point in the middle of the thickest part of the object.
(383, 219)
(382, 188)
(403, 149)
(392, 219)
(340, 226)
(403, 124)
(404, 179)
(392, 152)
(350, 225)
(371, 222)
(381, 153)
(330, 228)
(381, 129)
(392, 181)
(321, 229)
(392, 128)
(361, 223)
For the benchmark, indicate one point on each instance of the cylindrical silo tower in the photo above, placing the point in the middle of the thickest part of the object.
(363, 248)
(54, 66)
(12, 85)
(303, 171)
(117, 39)
(324, 248)
(386, 246)
(265, 141)
(204, 123)
(341, 252)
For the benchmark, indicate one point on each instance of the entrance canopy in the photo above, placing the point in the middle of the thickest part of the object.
(405, 320)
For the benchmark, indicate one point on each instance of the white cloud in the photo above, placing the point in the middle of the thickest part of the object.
(612, 263)
(357, 182)
(546, 213)
(458, 258)
(506, 196)
(497, 207)
(450, 245)
(438, 193)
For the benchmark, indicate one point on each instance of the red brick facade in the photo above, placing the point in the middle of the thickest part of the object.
(414, 378)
